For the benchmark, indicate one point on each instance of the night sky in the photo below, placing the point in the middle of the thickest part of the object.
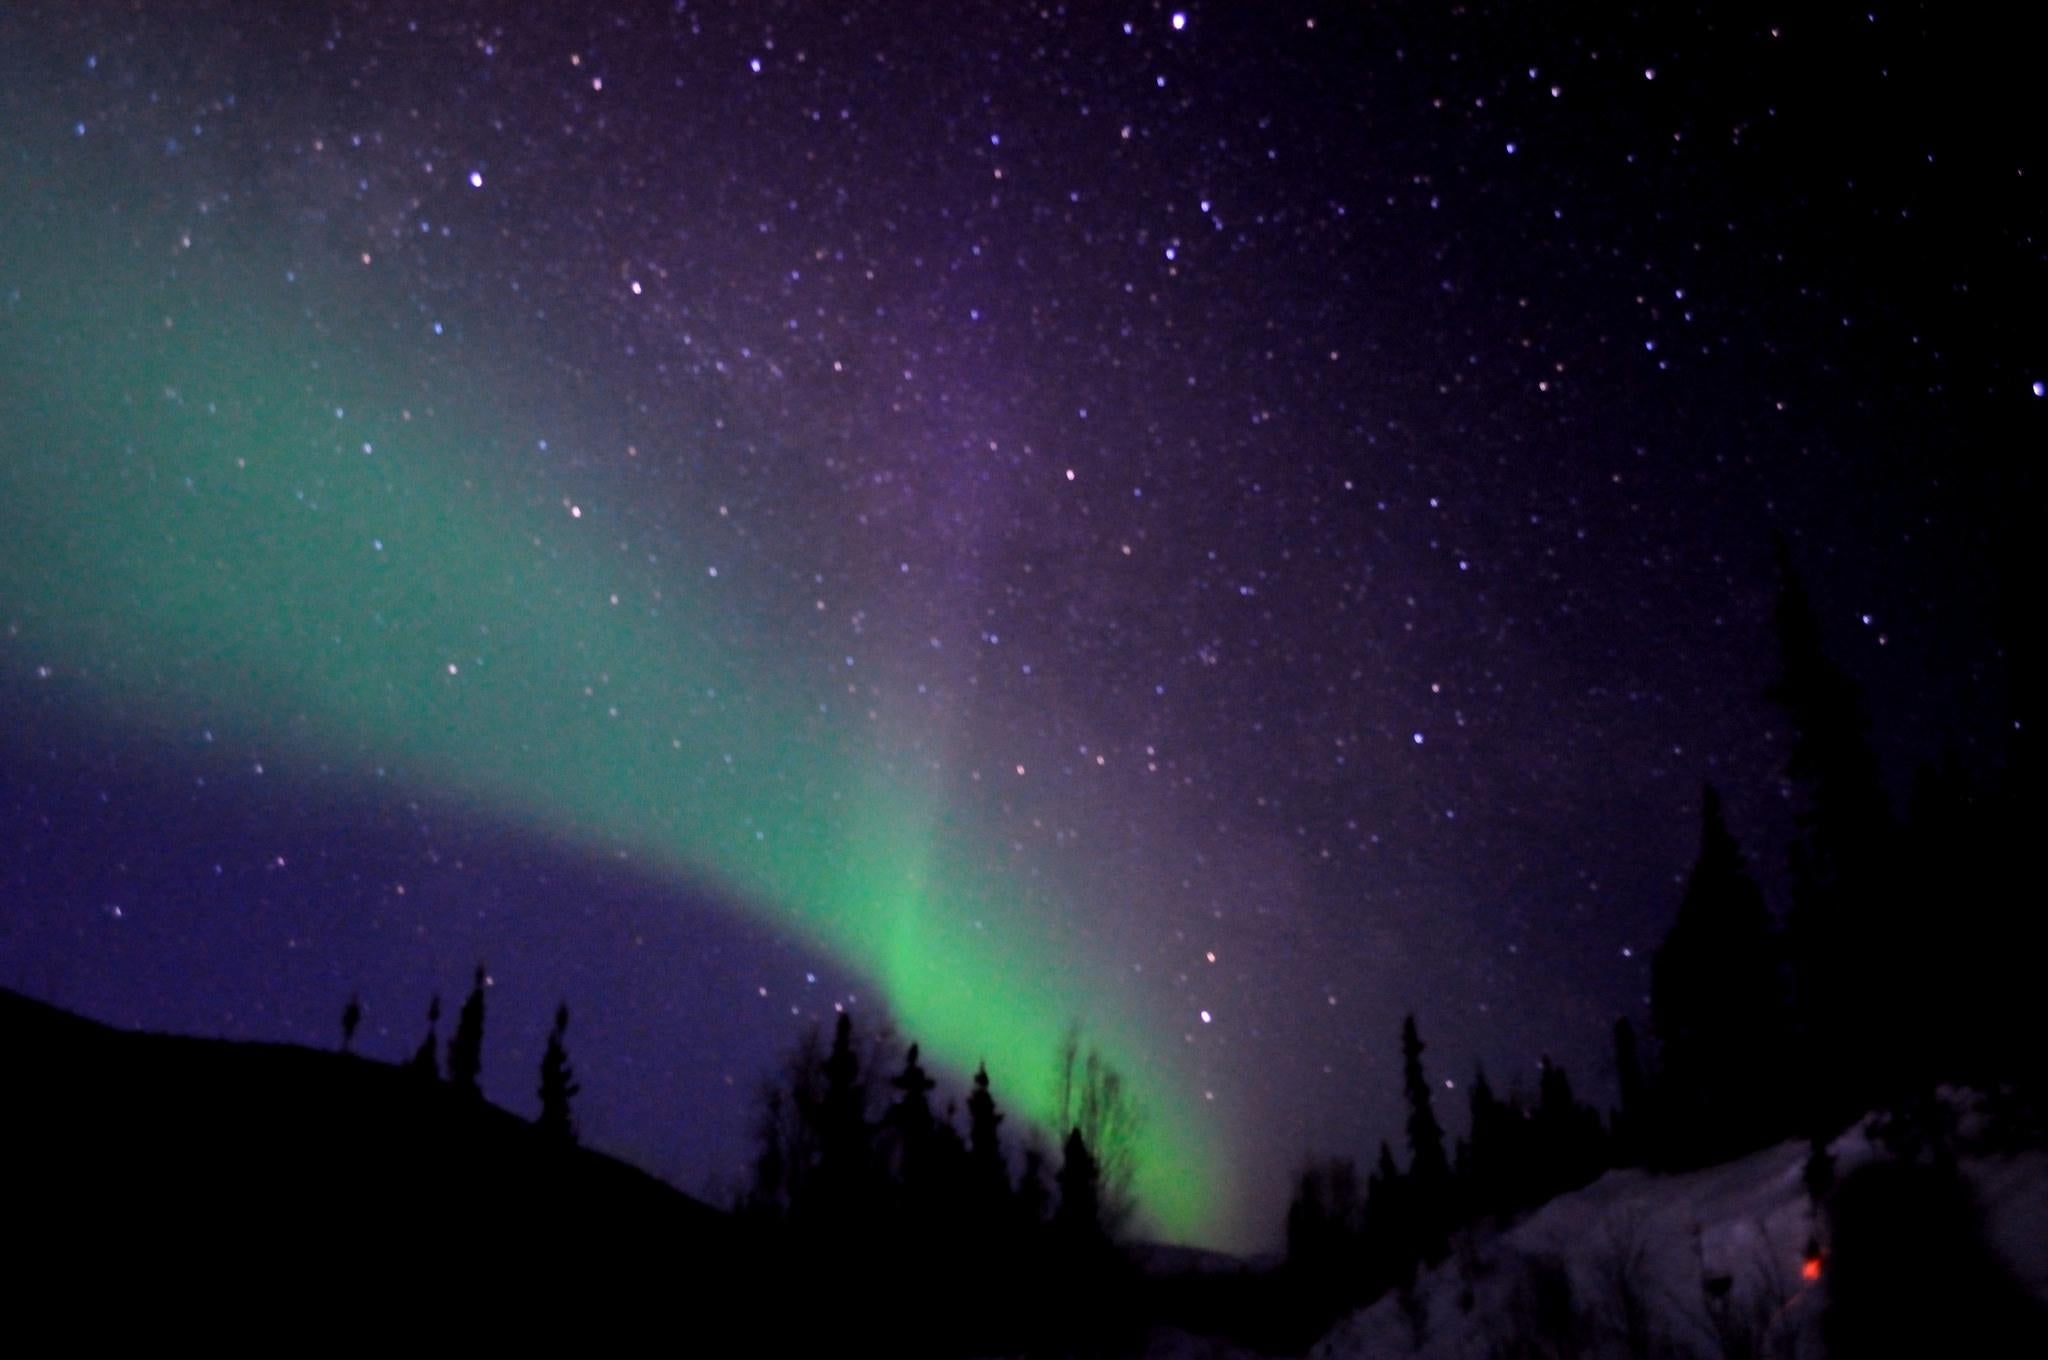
(1226, 523)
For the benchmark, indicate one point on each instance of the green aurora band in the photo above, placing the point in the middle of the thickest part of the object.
(191, 537)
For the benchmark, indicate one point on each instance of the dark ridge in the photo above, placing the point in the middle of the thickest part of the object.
(229, 1182)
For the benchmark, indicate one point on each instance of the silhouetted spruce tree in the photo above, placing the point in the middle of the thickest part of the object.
(1429, 1173)
(1847, 926)
(1628, 1128)
(466, 1047)
(557, 1083)
(911, 1115)
(426, 1059)
(1717, 1011)
(1567, 1150)
(351, 1016)
(1390, 1235)
(988, 1173)
(961, 1229)
(1077, 1220)
(911, 1139)
(1079, 1260)
(844, 1145)
(1484, 1195)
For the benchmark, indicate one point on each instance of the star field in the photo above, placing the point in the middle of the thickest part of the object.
(1232, 523)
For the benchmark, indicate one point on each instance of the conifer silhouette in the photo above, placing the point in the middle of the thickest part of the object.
(1845, 930)
(1077, 1221)
(989, 1174)
(1429, 1172)
(557, 1083)
(466, 1047)
(426, 1059)
(912, 1113)
(843, 1167)
(1389, 1223)
(1566, 1136)
(1487, 1192)
(1715, 1009)
(911, 1131)
(351, 1016)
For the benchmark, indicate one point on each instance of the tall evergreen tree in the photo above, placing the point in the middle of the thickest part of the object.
(1077, 1220)
(843, 1136)
(351, 1016)
(912, 1113)
(910, 1125)
(1566, 1134)
(1716, 1009)
(426, 1059)
(1385, 1174)
(466, 1047)
(1487, 1158)
(1846, 931)
(1078, 1258)
(557, 1083)
(1429, 1171)
(989, 1174)
(1831, 756)
(1390, 1233)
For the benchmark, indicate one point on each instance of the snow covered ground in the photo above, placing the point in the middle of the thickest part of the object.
(1710, 1263)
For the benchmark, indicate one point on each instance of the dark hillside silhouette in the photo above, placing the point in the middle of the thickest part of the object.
(245, 1176)
(886, 1213)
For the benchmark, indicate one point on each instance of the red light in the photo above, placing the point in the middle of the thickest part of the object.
(1810, 1270)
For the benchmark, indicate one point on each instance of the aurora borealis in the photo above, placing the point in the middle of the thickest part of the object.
(344, 604)
(1222, 527)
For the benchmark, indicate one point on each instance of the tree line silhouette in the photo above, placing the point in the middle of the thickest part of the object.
(1895, 968)
(861, 1186)
(464, 1057)
(865, 1187)
(1890, 971)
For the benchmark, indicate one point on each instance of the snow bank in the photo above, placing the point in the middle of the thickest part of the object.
(1708, 1263)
